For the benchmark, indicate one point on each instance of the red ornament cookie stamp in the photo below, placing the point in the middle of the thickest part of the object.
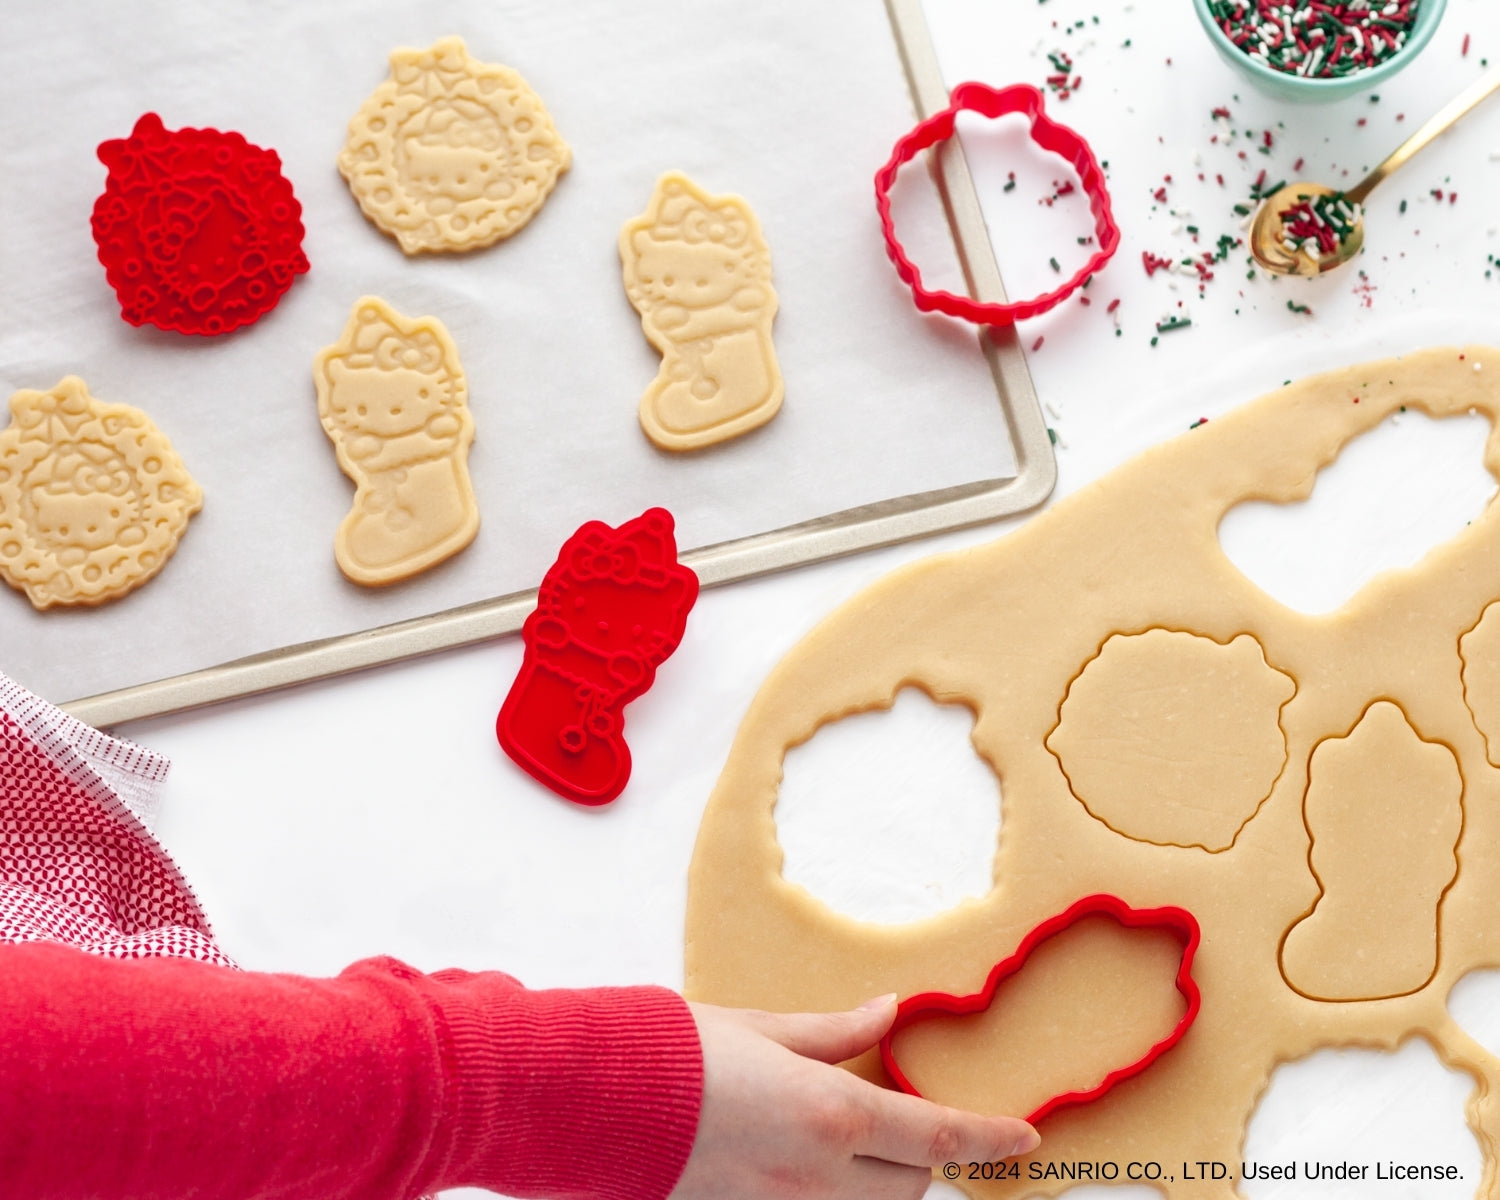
(611, 609)
(1177, 921)
(198, 230)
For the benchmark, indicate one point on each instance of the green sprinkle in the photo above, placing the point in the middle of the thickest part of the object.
(1153, 341)
(1055, 267)
(1293, 306)
(1172, 323)
(1052, 435)
(1403, 206)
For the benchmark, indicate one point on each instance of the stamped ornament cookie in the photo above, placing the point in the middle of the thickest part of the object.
(1318, 792)
(198, 230)
(392, 397)
(698, 270)
(93, 499)
(450, 153)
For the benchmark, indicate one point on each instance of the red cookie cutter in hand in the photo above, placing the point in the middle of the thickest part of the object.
(198, 230)
(610, 610)
(1177, 920)
(1049, 135)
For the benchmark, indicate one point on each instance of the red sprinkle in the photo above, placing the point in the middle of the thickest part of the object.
(1153, 263)
(1037, 345)
(1160, 195)
(1464, 53)
(1297, 166)
(1113, 304)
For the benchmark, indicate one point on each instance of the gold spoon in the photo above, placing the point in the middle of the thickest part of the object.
(1268, 239)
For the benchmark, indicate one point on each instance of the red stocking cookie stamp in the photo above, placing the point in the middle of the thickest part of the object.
(611, 609)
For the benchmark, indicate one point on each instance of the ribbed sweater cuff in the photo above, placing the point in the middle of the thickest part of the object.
(592, 1094)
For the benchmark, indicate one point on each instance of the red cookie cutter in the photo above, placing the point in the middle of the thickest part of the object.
(1046, 133)
(198, 230)
(610, 610)
(1178, 920)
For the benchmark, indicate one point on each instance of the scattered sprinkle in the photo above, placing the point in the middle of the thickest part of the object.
(1293, 306)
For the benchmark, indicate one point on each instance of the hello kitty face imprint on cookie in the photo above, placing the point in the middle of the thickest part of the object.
(698, 270)
(392, 397)
(93, 499)
(450, 153)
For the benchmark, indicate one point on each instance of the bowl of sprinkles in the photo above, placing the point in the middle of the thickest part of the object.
(1318, 49)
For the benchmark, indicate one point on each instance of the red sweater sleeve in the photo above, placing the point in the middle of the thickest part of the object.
(173, 1079)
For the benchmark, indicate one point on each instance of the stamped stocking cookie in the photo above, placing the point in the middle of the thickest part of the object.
(698, 270)
(609, 612)
(392, 398)
(451, 153)
(93, 499)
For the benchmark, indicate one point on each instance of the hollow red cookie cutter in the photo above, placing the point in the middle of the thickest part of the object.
(1178, 920)
(610, 610)
(1049, 135)
(198, 230)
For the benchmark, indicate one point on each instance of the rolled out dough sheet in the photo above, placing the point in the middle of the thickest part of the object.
(1317, 790)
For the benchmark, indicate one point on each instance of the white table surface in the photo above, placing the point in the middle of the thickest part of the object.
(375, 814)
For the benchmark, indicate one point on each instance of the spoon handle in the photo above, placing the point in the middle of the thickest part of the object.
(1444, 117)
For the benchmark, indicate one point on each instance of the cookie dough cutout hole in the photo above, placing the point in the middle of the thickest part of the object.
(1364, 1108)
(1174, 738)
(1384, 811)
(1391, 495)
(890, 815)
(1089, 1000)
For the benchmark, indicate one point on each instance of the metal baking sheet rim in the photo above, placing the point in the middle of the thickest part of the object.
(884, 523)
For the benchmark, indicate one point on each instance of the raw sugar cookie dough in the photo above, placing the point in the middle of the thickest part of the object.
(698, 270)
(451, 153)
(1346, 878)
(93, 499)
(393, 400)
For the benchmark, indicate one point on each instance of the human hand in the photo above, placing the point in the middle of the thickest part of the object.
(777, 1122)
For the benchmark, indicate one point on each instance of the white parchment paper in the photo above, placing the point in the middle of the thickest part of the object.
(793, 106)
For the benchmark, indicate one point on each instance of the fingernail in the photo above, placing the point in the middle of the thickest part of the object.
(878, 1002)
(1028, 1142)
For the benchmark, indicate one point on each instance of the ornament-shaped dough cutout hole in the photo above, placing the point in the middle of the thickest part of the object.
(1096, 996)
(890, 815)
(1174, 738)
(1392, 494)
(1362, 1108)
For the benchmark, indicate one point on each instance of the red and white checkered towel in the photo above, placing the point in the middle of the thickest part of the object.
(78, 863)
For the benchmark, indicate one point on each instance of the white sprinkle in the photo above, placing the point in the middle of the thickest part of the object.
(1052, 410)
(1176, 228)
(1478, 366)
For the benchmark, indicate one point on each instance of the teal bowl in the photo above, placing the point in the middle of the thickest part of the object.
(1295, 87)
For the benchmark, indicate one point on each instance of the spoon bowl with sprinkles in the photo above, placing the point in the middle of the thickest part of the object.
(1308, 228)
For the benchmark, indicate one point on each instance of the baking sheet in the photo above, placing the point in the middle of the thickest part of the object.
(880, 401)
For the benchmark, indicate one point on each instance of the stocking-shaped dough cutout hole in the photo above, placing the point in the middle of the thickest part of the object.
(1392, 494)
(1364, 1109)
(1474, 1003)
(890, 816)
